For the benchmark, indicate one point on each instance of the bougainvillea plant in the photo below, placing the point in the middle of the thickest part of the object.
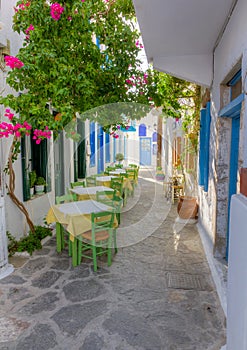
(76, 55)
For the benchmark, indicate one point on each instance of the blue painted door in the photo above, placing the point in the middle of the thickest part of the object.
(100, 149)
(145, 150)
(233, 173)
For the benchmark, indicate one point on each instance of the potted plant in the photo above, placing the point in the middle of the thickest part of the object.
(32, 180)
(119, 157)
(40, 185)
(159, 175)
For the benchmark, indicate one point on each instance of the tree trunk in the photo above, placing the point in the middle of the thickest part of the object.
(11, 188)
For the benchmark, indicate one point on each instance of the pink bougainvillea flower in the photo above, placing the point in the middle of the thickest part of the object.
(56, 11)
(13, 62)
(69, 18)
(82, 0)
(31, 27)
(8, 114)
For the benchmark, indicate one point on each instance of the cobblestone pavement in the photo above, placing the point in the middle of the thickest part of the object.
(157, 295)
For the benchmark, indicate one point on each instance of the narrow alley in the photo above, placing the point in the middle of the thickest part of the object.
(158, 293)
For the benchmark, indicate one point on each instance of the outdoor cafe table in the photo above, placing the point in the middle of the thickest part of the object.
(76, 216)
(88, 192)
(117, 172)
(106, 181)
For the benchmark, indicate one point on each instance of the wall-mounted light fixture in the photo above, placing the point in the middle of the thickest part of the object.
(4, 51)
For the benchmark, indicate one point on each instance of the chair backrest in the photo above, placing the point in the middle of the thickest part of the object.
(90, 181)
(119, 166)
(132, 174)
(117, 184)
(65, 198)
(110, 168)
(102, 221)
(105, 197)
(133, 165)
(77, 183)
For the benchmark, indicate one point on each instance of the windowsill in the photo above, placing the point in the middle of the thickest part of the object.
(35, 196)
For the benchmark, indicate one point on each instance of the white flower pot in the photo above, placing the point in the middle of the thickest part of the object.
(31, 191)
(39, 189)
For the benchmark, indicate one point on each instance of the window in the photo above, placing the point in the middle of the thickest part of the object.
(107, 148)
(235, 86)
(92, 144)
(154, 136)
(142, 130)
(204, 146)
(34, 157)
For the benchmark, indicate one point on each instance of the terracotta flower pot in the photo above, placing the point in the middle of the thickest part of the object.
(187, 207)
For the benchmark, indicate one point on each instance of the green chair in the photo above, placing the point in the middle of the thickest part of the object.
(77, 183)
(119, 166)
(110, 198)
(105, 197)
(132, 176)
(98, 239)
(90, 181)
(118, 204)
(110, 168)
(61, 229)
(133, 165)
(117, 184)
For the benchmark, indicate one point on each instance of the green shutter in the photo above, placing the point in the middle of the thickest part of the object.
(81, 150)
(25, 172)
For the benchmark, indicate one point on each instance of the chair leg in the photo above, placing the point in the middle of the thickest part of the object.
(70, 248)
(58, 237)
(79, 252)
(74, 252)
(94, 258)
(109, 250)
(115, 240)
(118, 218)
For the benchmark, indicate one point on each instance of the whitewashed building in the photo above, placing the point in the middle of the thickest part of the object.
(206, 42)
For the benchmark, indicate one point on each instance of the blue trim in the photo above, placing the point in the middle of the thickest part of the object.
(233, 108)
(201, 149)
(100, 149)
(236, 78)
(204, 147)
(142, 130)
(125, 146)
(92, 144)
(207, 145)
(155, 136)
(107, 148)
(114, 150)
(130, 129)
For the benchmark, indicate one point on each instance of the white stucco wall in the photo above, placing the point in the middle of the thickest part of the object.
(133, 140)
(230, 55)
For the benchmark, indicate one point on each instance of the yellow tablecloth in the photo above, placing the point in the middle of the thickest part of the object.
(75, 220)
(85, 193)
(106, 181)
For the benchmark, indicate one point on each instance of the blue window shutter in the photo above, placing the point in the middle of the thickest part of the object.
(155, 136)
(207, 143)
(142, 130)
(202, 147)
(92, 143)
(107, 148)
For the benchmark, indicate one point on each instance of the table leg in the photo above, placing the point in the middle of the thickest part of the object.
(74, 252)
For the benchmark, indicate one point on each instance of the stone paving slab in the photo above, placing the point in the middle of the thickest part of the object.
(157, 295)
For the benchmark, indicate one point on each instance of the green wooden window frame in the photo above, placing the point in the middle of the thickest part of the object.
(34, 157)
